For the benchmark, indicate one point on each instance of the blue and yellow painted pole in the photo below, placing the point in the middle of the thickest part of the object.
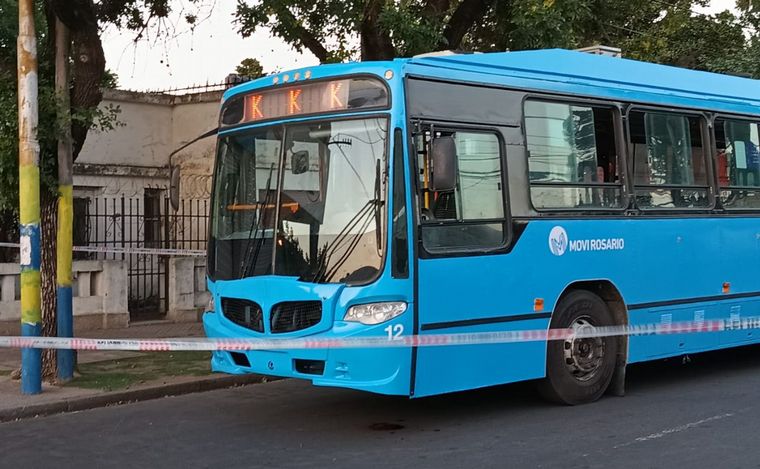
(64, 236)
(29, 197)
(65, 313)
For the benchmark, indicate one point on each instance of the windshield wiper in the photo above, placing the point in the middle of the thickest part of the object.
(323, 260)
(378, 213)
(361, 219)
(252, 249)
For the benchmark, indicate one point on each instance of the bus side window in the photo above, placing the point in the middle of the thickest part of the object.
(470, 217)
(572, 156)
(738, 163)
(721, 159)
(668, 160)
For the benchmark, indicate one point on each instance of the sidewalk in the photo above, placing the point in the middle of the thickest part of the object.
(113, 377)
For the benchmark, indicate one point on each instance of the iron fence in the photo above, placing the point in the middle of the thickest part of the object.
(146, 222)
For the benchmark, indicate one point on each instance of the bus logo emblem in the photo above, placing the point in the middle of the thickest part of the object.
(558, 241)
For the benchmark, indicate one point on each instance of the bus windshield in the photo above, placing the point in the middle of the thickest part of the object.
(303, 200)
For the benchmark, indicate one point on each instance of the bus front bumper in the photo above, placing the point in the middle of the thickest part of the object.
(378, 370)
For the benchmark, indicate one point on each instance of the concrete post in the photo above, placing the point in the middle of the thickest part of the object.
(113, 286)
(182, 290)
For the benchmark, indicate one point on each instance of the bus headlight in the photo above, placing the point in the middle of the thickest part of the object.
(375, 313)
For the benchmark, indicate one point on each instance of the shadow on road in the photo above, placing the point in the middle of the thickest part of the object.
(291, 423)
(692, 369)
(515, 402)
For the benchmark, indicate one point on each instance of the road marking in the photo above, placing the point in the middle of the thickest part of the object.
(678, 429)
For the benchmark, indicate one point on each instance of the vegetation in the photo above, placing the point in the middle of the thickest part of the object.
(663, 31)
(120, 374)
(84, 18)
(250, 68)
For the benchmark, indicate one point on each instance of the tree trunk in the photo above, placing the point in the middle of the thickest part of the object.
(462, 20)
(88, 64)
(48, 224)
(88, 69)
(87, 73)
(376, 43)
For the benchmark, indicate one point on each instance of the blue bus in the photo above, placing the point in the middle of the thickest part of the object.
(478, 193)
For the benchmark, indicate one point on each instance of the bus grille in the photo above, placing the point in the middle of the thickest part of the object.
(292, 316)
(243, 313)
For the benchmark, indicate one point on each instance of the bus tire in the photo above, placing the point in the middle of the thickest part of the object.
(578, 371)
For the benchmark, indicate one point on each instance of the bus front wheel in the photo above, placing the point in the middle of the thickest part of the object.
(578, 370)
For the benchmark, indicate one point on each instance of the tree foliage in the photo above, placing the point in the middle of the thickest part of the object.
(250, 68)
(716, 43)
(84, 19)
(83, 117)
(664, 31)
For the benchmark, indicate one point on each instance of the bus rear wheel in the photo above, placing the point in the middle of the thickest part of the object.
(578, 370)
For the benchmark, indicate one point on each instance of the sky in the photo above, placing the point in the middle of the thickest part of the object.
(210, 51)
(204, 55)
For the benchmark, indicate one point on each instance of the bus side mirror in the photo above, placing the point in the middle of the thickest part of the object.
(443, 151)
(174, 188)
(299, 162)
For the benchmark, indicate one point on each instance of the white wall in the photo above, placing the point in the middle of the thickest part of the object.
(123, 161)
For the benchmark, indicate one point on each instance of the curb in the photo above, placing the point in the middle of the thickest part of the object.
(130, 396)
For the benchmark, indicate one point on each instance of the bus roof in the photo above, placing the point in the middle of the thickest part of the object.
(581, 73)
(561, 71)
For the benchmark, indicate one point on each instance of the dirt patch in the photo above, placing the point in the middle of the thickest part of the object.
(120, 374)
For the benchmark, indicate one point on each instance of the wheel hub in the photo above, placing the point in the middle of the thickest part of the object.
(583, 356)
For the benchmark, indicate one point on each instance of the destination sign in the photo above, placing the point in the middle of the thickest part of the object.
(304, 99)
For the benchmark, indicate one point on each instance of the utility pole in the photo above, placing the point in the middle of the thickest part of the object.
(29, 196)
(65, 241)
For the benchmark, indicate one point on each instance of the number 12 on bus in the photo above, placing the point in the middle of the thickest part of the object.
(483, 193)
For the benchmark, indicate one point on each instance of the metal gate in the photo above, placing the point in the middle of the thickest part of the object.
(147, 222)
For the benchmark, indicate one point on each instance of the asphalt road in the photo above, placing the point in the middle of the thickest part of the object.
(701, 414)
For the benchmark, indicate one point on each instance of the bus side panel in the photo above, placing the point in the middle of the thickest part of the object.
(458, 368)
(668, 270)
(734, 312)
(650, 347)
(726, 251)
(742, 271)
(483, 293)
(643, 348)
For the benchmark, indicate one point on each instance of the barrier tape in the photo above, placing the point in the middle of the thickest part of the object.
(129, 250)
(433, 340)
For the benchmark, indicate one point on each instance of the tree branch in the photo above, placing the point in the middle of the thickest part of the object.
(75, 14)
(303, 35)
(435, 9)
(376, 43)
(463, 18)
(89, 60)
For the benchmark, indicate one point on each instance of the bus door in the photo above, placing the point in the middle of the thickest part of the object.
(463, 267)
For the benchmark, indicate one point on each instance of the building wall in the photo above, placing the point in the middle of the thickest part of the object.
(135, 155)
(144, 137)
(121, 181)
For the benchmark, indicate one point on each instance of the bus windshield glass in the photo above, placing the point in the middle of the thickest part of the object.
(304, 200)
